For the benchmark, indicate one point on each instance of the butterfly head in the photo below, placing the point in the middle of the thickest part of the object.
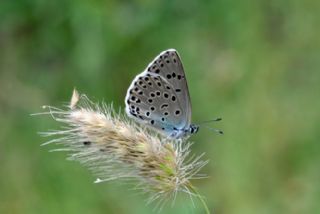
(184, 133)
(193, 129)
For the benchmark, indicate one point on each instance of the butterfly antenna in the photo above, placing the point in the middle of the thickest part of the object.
(210, 128)
(215, 130)
(209, 121)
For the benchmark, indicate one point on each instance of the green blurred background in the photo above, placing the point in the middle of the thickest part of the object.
(254, 63)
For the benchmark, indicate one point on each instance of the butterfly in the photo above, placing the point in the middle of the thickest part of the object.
(159, 97)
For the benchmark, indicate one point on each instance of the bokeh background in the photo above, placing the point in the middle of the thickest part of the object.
(254, 63)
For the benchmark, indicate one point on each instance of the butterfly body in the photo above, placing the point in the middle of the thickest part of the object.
(159, 97)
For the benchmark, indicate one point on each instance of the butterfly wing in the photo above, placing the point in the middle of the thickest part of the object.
(169, 66)
(159, 96)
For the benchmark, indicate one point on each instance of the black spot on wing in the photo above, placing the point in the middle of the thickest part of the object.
(165, 105)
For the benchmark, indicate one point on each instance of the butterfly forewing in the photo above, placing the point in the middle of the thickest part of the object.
(168, 65)
(159, 96)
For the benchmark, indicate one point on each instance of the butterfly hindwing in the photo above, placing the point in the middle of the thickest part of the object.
(153, 102)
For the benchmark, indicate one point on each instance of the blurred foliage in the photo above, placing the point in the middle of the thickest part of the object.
(255, 63)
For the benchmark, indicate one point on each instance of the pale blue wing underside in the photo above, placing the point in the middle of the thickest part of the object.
(159, 96)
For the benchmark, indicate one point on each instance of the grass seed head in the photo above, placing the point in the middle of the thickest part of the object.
(115, 148)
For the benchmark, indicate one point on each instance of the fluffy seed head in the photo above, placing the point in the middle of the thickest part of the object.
(115, 148)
